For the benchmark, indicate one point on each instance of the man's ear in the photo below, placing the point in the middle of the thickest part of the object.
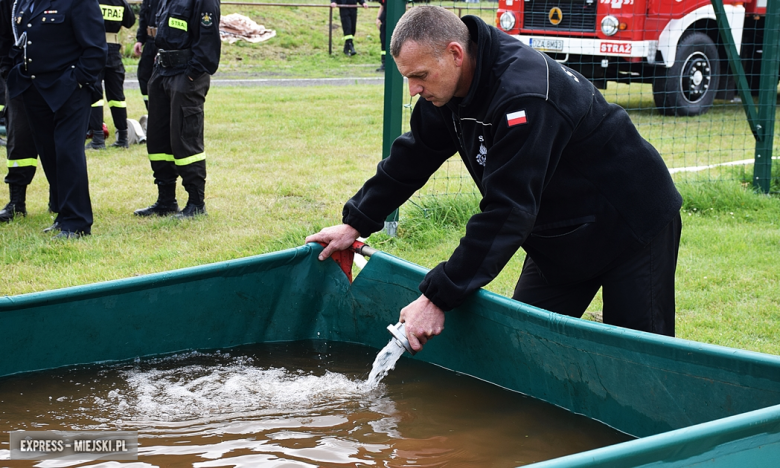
(455, 50)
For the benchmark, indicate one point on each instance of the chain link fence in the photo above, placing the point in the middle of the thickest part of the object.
(663, 61)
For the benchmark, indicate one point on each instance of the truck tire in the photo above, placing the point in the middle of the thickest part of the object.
(689, 86)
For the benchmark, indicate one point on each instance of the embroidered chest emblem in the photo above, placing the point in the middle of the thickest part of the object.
(482, 155)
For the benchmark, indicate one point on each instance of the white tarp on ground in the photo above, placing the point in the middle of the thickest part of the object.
(234, 27)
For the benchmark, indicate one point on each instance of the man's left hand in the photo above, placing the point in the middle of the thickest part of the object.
(335, 238)
(423, 320)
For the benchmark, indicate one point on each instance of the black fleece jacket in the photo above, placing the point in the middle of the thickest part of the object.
(563, 173)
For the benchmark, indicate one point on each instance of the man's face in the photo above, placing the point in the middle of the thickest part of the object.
(435, 79)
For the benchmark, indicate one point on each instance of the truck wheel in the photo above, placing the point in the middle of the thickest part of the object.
(689, 86)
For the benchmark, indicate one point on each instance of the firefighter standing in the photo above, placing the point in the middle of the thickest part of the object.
(189, 49)
(60, 48)
(116, 13)
(147, 29)
(20, 147)
(348, 22)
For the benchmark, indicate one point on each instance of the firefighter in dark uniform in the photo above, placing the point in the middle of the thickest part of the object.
(147, 29)
(563, 173)
(116, 13)
(20, 146)
(189, 49)
(60, 48)
(348, 22)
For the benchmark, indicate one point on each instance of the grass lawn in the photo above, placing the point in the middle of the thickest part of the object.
(282, 161)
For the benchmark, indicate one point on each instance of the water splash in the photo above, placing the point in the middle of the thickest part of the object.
(175, 389)
(384, 362)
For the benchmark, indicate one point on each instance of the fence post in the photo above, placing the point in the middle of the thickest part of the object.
(393, 111)
(762, 123)
(330, 32)
(767, 98)
(736, 66)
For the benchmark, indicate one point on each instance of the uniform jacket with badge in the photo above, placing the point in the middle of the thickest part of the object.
(563, 174)
(65, 48)
(194, 25)
(116, 14)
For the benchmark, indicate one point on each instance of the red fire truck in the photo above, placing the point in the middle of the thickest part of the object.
(673, 44)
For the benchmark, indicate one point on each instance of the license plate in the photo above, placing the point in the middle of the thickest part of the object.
(547, 44)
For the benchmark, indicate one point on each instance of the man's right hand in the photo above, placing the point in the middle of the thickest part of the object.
(336, 238)
(137, 48)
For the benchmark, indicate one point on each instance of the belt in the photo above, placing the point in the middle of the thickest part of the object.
(112, 38)
(173, 58)
(151, 31)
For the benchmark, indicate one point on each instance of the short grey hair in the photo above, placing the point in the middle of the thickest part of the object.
(432, 26)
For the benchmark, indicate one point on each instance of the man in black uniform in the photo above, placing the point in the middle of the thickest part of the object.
(563, 174)
(147, 29)
(189, 50)
(20, 146)
(348, 22)
(59, 51)
(116, 13)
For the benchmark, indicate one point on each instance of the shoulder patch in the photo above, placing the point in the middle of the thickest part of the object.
(516, 118)
(205, 19)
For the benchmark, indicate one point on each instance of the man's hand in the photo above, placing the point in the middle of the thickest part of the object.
(423, 320)
(137, 49)
(336, 238)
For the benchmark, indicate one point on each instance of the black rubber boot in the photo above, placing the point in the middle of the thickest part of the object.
(351, 47)
(196, 204)
(381, 67)
(121, 140)
(98, 141)
(165, 205)
(17, 205)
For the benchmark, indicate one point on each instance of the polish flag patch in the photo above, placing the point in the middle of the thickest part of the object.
(516, 118)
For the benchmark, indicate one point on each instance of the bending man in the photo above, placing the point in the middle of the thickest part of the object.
(563, 174)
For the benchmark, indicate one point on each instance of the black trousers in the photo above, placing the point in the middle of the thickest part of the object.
(20, 148)
(59, 139)
(383, 30)
(113, 76)
(174, 137)
(348, 21)
(145, 68)
(638, 292)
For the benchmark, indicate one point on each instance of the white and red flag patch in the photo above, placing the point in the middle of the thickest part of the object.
(516, 118)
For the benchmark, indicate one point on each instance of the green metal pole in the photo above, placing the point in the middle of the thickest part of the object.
(393, 97)
(736, 66)
(767, 98)
(762, 122)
